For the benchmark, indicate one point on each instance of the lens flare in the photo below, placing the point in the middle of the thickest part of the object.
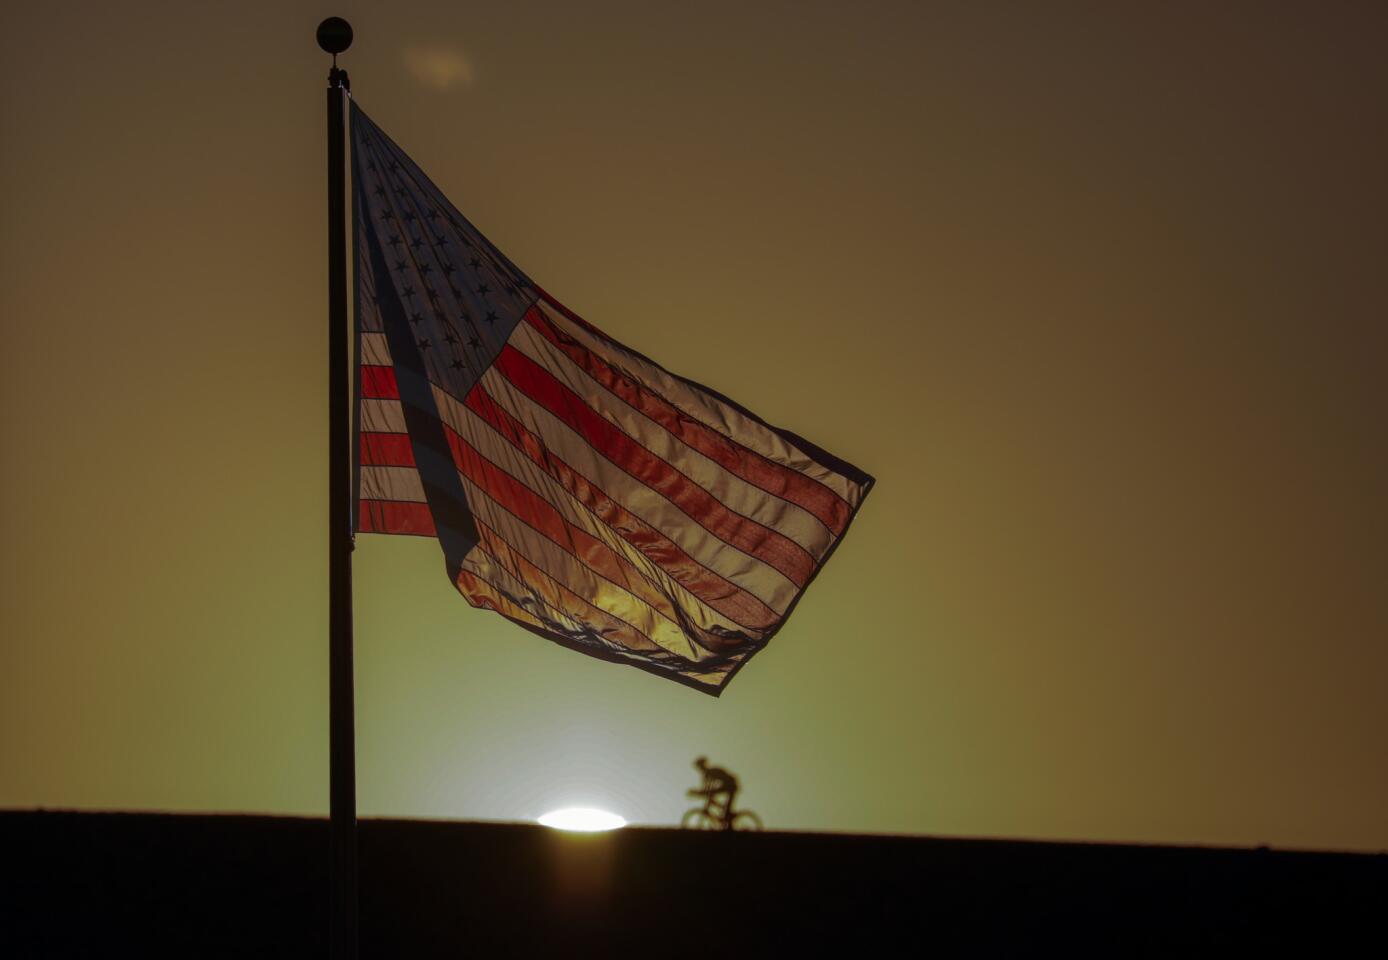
(582, 820)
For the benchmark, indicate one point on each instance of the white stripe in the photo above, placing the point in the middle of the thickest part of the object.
(755, 576)
(709, 411)
(392, 483)
(738, 495)
(374, 350)
(382, 416)
(504, 454)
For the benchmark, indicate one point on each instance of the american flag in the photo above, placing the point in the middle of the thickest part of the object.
(576, 486)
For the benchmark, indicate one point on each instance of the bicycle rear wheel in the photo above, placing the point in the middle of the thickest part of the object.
(698, 819)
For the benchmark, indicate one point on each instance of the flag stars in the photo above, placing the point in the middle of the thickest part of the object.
(423, 343)
(483, 289)
(474, 263)
(395, 241)
(425, 269)
(457, 364)
(474, 342)
(491, 317)
(416, 318)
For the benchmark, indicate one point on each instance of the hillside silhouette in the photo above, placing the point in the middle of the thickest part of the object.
(81, 884)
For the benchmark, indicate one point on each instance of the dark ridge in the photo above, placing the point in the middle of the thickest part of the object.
(88, 884)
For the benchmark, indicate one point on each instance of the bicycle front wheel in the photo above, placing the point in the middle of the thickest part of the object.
(746, 820)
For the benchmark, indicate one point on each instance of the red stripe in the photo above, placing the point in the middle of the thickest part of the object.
(520, 500)
(386, 449)
(378, 383)
(753, 539)
(775, 478)
(395, 516)
(719, 594)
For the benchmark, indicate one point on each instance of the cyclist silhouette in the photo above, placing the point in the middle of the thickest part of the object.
(718, 790)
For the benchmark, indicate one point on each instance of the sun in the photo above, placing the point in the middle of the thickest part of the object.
(582, 820)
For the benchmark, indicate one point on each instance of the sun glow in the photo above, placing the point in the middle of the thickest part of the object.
(582, 820)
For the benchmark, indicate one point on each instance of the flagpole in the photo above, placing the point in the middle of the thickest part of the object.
(335, 36)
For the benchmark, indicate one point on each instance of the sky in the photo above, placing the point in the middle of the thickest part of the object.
(1096, 292)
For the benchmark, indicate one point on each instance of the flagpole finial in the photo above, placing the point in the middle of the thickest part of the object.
(335, 36)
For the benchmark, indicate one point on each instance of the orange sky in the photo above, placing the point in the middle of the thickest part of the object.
(1095, 292)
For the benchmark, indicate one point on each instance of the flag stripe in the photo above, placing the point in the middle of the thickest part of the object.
(375, 350)
(392, 483)
(387, 516)
(704, 405)
(385, 449)
(771, 477)
(698, 504)
(705, 585)
(382, 416)
(378, 383)
(739, 496)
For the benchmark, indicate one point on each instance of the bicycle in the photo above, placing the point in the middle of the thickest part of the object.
(704, 818)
